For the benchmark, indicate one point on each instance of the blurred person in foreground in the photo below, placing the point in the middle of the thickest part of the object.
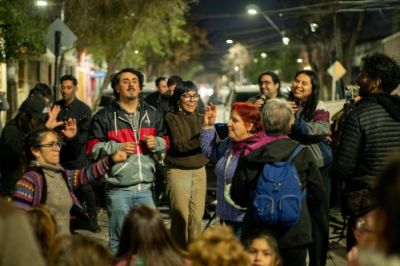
(218, 246)
(377, 232)
(145, 240)
(44, 226)
(18, 245)
(79, 250)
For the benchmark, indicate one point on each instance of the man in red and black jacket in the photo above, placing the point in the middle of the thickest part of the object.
(133, 126)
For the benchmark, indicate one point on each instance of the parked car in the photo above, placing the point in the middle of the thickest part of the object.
(240, 93)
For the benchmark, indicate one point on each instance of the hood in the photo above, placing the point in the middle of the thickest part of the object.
(279, 150)
(391, 103)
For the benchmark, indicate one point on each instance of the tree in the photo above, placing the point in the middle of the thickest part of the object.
(334, 39)
(282, 62)
(236, 60)
(126, 32)
(22, 34)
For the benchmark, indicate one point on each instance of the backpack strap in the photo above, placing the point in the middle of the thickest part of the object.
(40, 172)
(296, 152)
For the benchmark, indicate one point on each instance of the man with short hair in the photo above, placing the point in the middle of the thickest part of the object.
(370, 134)
(72, 107)
(130, 125)
(160, 98)
(269, 84)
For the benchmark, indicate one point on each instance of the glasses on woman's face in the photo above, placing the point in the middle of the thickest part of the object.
(188, 97)
(53, 145)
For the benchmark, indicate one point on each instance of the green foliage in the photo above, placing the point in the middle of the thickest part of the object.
(282, 61)
(23, 32)
(105, 27)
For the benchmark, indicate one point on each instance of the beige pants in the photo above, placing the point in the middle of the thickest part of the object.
(186, 190)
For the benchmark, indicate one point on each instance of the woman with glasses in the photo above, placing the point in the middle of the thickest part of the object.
(44, 180)
(186, 174)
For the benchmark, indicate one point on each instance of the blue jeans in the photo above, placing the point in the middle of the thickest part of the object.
(119, 203)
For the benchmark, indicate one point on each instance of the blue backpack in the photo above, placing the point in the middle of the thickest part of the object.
(279, 194)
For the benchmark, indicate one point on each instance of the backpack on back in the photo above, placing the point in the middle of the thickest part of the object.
(279, 194)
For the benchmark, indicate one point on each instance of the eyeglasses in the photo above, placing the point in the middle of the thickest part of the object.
(188, 97)
(54, 145)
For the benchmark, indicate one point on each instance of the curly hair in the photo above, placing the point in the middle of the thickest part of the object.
(380, 66)
(218, 246)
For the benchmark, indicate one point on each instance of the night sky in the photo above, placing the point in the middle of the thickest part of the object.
(228, 19)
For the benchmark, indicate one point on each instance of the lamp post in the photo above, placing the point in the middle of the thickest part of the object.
(254, 10)
(57, 43)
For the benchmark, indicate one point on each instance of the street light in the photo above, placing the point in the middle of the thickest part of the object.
(254, 10)
(45, 3)
(229, 41)
(41, 3)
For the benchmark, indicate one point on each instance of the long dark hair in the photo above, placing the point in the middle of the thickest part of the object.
(145, 236)
(312, 102)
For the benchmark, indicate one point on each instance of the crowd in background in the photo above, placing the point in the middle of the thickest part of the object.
(142, 150)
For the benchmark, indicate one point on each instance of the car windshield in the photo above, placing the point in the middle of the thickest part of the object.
(244, 96)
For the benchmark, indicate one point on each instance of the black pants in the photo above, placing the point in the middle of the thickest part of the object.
(295, 256)
(318, 250)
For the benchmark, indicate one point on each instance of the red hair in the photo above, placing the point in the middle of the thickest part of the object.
(250, 114)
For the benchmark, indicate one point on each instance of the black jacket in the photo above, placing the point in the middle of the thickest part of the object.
(371, 132)
(245, 180)
(83, 115)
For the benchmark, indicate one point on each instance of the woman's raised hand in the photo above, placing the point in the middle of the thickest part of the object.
(52, 122)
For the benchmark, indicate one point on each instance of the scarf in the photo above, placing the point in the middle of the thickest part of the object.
(245, 146)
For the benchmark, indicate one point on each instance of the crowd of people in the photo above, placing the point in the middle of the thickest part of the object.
(146, 148)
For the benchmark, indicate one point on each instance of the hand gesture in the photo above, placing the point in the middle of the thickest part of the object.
(129, 147)
(150, 142)
(210, 114)
(70, 129)
(259, 102)
(119, 156)
(294, 107)
(52, 122)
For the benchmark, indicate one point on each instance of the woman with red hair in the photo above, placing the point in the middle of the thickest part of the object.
(245, 134)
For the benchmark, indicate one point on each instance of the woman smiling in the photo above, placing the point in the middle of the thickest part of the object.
(186, 175)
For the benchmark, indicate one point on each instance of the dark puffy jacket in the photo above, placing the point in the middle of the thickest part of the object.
(371, 132)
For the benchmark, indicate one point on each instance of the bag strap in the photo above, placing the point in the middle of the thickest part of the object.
(296, 152)
(40, 172)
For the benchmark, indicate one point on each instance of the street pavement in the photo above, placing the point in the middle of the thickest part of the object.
(336, 255)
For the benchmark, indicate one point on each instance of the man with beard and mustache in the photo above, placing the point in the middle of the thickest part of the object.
(370, 134)
(132, 126)
(74, 157)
